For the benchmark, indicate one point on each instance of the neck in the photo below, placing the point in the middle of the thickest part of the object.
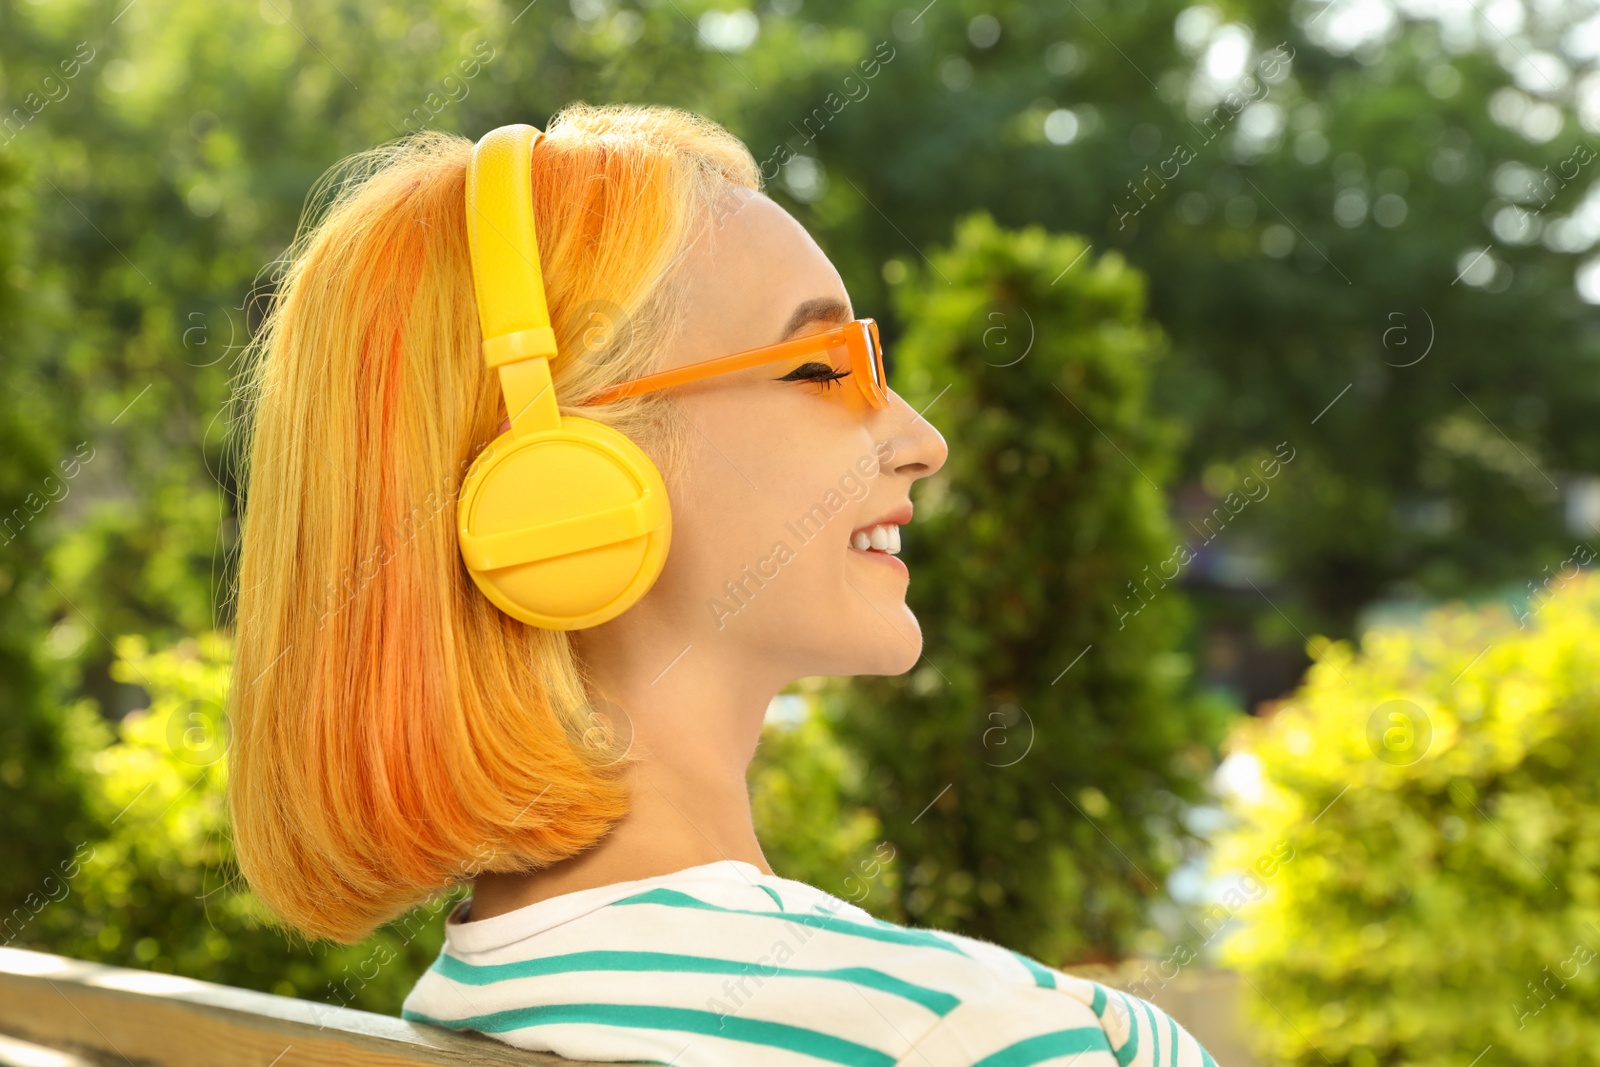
(695, 726)
(673, 824)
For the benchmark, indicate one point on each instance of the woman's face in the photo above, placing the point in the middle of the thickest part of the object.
(781, 475)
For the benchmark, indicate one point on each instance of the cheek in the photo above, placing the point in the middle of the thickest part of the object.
(783, 473)
(811, 488)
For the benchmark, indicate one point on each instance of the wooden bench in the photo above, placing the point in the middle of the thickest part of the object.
(61, 1012)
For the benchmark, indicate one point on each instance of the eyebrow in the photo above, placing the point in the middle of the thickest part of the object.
(820, 309)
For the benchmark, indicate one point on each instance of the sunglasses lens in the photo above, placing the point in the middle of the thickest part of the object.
(875, 361)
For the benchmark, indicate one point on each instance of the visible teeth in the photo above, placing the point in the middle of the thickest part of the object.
(884, 537)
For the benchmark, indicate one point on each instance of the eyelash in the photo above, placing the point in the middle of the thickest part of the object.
(817, 372)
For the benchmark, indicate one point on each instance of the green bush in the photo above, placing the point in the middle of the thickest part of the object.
(1436, 795)
(804, 798)
(40, 783)
(154, 885)
(1032, 768)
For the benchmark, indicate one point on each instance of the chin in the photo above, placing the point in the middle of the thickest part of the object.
(902, 659)
(859, 647)
(882, 653)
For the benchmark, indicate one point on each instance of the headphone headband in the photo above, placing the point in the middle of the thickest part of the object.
(517, 338)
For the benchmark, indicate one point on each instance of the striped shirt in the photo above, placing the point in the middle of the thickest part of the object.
(722, 965)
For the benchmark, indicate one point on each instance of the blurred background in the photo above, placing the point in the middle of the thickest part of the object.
(1262, 664)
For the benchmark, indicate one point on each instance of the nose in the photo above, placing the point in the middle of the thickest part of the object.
(916, 448)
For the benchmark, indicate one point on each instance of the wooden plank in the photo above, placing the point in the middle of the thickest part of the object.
(114, 1015)
(14, 1053)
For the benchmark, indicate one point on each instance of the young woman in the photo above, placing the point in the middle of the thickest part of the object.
(406, 717)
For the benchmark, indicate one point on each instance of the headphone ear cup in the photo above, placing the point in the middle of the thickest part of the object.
(564, 528)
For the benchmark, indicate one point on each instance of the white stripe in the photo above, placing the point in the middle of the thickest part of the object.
(999, 959)
(999, 1017)
(852, 1011)
(583, 1042)
(746, 938)
(1000, 1000)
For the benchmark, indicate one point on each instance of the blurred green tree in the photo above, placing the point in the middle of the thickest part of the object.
(1390, 171)
(811, 813)
(153, 884)
(1428, 810)
(1310, 234)
(41, 747)
(1032, 767)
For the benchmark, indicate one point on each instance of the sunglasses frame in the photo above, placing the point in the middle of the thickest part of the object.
(859, 338)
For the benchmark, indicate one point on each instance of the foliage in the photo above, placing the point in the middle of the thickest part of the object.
(1437, 794)
(1030, 769)
(154, 885)
(1387, 211)
(806, 793)
(163, 189)
(141, 206)
(40, 776)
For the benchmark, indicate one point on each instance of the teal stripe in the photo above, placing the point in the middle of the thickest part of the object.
(1041, 977)
(1032, 1050)
(458, 970)
(685, 1020)
(1126, 1054)
(1205, 1057)
(1099, 1005)
(1155, 1034)
(769, 891)
(899, 935)
(1174, 1028)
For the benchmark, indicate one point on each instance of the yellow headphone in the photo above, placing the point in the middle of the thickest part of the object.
(563, 522)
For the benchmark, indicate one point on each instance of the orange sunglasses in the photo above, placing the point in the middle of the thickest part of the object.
(859, 339)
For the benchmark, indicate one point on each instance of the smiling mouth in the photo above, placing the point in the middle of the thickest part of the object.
(883, 538)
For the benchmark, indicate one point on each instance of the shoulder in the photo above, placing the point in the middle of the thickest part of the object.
(705, 978)
(1132, 1031)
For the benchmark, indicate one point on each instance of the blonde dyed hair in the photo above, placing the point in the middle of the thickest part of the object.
(393, 733)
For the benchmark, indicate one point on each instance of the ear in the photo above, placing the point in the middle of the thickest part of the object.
(505, 424)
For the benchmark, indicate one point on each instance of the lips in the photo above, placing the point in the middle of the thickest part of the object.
(883, 533)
